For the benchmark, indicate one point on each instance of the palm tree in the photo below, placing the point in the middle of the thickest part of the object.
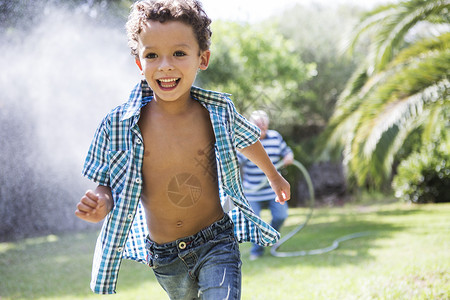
(402, 85)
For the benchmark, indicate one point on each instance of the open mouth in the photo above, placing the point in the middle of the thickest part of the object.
(168, 83)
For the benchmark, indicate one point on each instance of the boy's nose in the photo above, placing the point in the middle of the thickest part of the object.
(166, 65)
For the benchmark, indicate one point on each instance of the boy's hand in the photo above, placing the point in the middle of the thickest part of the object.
(93, 207)
(282, 189)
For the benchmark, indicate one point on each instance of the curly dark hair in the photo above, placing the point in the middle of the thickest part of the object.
(189, 12)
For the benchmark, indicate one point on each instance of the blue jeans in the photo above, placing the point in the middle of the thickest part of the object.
(206, 265)
(279, 214)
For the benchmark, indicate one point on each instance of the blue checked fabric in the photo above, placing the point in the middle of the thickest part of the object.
(115, 159)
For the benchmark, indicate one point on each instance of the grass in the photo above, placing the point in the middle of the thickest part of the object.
(407, 256)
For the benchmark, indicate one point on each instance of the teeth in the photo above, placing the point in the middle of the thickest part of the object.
(168, 83)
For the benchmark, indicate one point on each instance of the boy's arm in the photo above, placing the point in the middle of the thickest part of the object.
(258, 156)
(95, 205)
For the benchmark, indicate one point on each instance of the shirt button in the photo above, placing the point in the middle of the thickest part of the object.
(130, 216)
(138, 180)
(119, 249)
(138, 141)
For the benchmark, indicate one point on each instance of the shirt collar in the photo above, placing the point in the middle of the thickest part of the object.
(142, 94)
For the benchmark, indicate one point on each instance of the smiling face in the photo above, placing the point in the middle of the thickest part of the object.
(170, 57)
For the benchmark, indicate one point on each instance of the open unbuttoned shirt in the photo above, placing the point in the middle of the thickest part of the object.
(115, 159)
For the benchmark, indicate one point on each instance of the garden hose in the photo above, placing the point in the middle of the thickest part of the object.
(336, 242)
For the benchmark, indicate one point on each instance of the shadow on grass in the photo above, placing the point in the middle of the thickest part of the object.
(56, 266)
(323, 229)
(60, 266)
(399, 212)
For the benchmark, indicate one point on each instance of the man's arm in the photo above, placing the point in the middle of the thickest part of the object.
(288, 159)
(95, 205)
(259, 157)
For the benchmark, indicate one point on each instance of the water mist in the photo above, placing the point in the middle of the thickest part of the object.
(58, 80)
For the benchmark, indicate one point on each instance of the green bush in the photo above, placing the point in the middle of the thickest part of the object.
(424, 176)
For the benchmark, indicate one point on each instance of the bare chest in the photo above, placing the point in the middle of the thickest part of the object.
(175, 144)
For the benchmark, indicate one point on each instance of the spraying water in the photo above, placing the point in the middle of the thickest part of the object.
(58, 78)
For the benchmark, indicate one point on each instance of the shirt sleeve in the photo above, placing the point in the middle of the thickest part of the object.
(245, 132)
(96, 165)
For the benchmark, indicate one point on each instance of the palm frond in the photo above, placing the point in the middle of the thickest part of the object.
(435, 124)
(395, 28)
(388, 109)
(369, 20)
(401, 88)
(361, 86)
(376, 142)
(422, 47)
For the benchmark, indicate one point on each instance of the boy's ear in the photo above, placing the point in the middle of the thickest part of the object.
(204, 56)
(138, 63)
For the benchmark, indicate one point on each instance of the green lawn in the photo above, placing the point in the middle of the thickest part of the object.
(407, 256)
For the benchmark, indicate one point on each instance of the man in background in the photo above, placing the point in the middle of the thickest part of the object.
(262, 196)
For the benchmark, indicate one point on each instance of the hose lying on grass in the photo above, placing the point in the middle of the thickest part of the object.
(274, 250)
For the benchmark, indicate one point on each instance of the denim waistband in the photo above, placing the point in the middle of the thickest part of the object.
(192, 241)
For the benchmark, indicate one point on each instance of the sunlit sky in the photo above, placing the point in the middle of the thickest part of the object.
(255, 10)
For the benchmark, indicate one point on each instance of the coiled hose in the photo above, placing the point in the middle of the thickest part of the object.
(335, 244)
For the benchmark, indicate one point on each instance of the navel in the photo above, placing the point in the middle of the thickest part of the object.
(179, 224)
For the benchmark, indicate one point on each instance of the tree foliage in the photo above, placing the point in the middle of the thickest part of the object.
(258, 66)
(424, 176)
(401, 86)
(317, 31)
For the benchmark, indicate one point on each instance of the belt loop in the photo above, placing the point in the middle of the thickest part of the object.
(151, 246)
(207, 234)
(226, 217)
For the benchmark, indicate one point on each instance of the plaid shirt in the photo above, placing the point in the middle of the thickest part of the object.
(115, 160)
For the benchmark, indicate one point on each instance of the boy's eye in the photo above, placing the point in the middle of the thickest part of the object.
(179, 53)
(151, 55)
